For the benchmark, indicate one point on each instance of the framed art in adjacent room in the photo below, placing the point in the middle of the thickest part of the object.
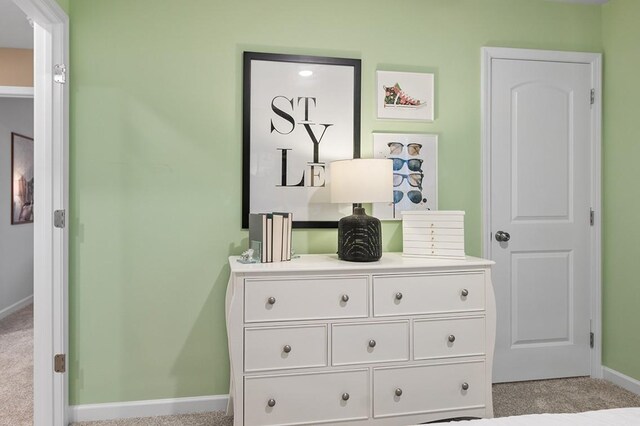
(299, 114)
(21, 179)
(415, 172)
(405, 95)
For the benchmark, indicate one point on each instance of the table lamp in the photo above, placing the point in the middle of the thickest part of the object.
(357, 181)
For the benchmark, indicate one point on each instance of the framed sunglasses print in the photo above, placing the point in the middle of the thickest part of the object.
(405, 95)
(415, 172)
(299, 114)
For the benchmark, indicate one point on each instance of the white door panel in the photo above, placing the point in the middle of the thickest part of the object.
(540, 195)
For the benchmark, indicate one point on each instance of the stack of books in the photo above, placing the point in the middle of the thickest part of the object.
(270, 233)
(433, 233)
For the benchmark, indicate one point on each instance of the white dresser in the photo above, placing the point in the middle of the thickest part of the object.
(400, 341)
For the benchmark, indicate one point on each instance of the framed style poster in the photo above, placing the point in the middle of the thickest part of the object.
(415, 172)
(405, 95)
(299, 114)
(21, 179)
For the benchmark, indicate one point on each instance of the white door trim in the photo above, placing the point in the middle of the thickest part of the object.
(51, 130)
(595, 61)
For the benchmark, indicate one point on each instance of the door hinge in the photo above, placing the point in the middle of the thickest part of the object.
(60, 73)
(59, 363)
(593, 96)
(592, 217)
(591, 340)
(59, 218)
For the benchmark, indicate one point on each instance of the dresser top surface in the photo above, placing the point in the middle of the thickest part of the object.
(330, 262)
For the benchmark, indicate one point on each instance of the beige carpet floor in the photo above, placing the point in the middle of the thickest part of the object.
(16, 368)
(559, 396)
(509, 399)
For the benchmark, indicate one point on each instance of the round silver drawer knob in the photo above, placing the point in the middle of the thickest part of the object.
(465, 386)
(286, 349)
(398, 391)
(372, 343)
(345, 297)
(271, 402)
(398, 296)
(464, 292)
(345, 396)
(271, 300)
(452, 338)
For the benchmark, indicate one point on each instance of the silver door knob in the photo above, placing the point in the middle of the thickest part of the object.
(271, 402)
(345, 396)
(345, 297)
(502, 236)
(464, 292)
(465, 386)
(286, 349)
(452, 338)
(398, 391)
(271, 300)
(398, 296)
(372, 343)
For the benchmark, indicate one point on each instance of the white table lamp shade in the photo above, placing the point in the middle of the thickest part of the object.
(361, 180)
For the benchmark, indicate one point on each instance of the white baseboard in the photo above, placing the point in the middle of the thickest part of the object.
(626, 382)
(154, 407)
(16, 306)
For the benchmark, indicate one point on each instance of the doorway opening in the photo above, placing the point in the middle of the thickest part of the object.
(16, 218)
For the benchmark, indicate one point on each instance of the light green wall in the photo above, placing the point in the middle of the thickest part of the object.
(64, 4)
(156, 156)
(621, 191)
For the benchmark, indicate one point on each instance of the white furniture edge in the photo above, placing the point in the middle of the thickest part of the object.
(16, 306)
(624, 381)
(16, 92)
(148, 408)
(595, 60)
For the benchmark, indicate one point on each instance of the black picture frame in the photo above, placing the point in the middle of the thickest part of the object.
(333, 80)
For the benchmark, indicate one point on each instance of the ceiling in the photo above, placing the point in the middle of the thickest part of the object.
(15, 30)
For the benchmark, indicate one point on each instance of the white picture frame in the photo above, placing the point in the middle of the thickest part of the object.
(415, 172)
(405, 95)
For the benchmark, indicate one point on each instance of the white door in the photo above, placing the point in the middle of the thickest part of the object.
(540, 201)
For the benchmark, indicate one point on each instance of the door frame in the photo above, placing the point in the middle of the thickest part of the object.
(594, 60)
(51, 154)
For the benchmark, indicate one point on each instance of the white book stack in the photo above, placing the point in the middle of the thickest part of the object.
(434, 233)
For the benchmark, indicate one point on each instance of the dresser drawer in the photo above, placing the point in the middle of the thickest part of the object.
(429, 293)
(275, 348)
(305, 298)
(448, 337)
(414, 230)
(425, 389)
(306, 398)
(432, 216)
(367, 343)
(457, 254)
(408, 238)
(431, 245)
(439, 224)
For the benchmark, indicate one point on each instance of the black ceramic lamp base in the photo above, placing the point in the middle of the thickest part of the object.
(359, 237)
